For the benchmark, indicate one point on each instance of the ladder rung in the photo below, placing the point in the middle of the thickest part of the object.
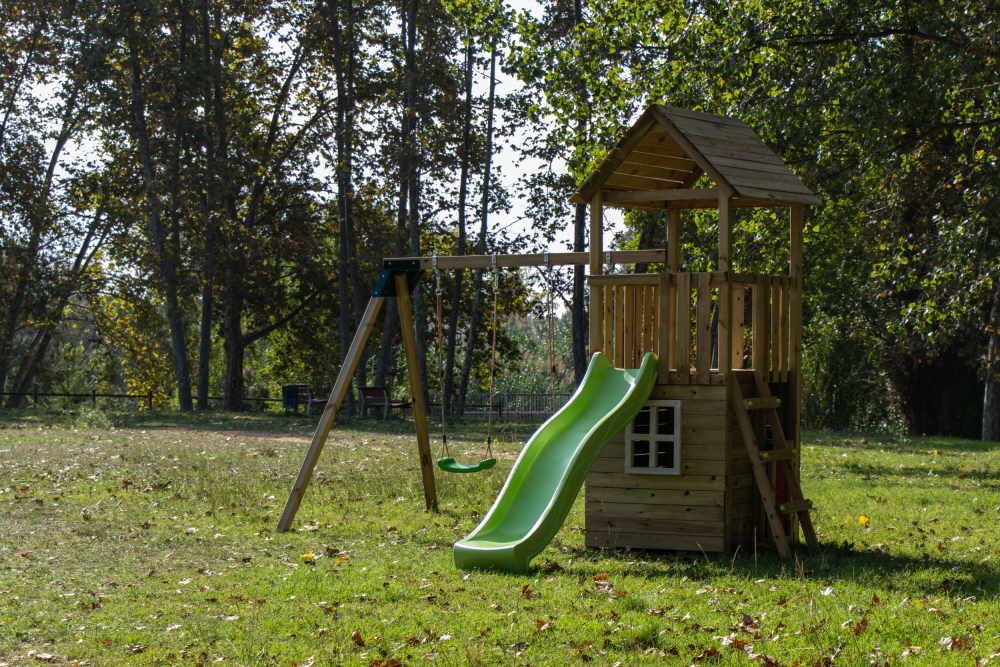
(762, 403)
(793, 506)
(779, 454)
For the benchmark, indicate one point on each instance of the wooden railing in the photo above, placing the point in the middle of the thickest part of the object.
(698, 323)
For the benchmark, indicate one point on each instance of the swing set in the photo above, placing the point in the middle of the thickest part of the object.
(685, 427)
(398, 278)
(448, 462)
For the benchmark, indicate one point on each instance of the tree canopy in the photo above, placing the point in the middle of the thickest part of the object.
(196, 195)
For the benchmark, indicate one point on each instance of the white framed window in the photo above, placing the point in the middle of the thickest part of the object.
(653, 440)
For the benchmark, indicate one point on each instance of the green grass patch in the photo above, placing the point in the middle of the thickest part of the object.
(151, 540)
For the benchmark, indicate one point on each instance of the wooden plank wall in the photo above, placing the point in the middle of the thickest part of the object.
(675, 512)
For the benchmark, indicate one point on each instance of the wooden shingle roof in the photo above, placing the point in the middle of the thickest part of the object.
(670, 148)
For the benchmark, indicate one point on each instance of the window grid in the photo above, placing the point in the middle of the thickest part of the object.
(645, 435)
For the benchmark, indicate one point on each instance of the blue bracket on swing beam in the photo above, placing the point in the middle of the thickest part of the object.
(384, 283)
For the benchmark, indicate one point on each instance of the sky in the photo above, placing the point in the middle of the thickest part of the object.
(510, 164)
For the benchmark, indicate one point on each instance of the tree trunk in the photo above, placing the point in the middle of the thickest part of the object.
(484, 213)
(448, 391)
(43, 338)
(41, 218)
(647, 237)
(349, 280)
(579, 309)
(385, 365)
(413, 179)
(991, 388)
(207, 312)
(210, 203)
(168, 263)
(232, 325)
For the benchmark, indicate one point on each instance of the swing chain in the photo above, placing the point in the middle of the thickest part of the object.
(493, 357)
(439, 314)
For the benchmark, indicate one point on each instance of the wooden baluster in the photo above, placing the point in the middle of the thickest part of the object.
(609, 321)
(725, 327)
(775, 332)
(760, 324)
(652, 321)
(619, 322)
(737, 310)
(783, 332)
(683, 328)
(703, 341)
(664, 322)
(597, 324)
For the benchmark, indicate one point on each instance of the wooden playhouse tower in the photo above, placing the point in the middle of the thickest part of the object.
(712, 463)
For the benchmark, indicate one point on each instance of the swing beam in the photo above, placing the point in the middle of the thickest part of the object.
(533, 259)
(399, 276)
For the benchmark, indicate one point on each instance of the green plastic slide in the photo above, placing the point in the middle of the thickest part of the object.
(547, 476)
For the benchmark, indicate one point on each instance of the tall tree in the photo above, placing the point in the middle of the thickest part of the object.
(482, 241)
(166, 253)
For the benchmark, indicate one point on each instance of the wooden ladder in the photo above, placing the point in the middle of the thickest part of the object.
(783, 455)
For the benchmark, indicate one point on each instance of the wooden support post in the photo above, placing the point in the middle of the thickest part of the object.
(405, 308)
(596, 269)
(725, 291)
(795, 222)
(326, 420)
(725, 224)
(674, 240)
(796, 217)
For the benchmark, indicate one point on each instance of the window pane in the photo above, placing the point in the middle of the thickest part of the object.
(640, 454)
(665, 454)
(665, 419)
(641, 423)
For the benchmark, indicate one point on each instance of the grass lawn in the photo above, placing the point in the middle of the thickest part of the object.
(154, 542)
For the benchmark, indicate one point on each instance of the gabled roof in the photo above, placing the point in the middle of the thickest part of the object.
(670, 148)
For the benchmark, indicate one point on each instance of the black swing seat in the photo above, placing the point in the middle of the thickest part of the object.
(449, 464)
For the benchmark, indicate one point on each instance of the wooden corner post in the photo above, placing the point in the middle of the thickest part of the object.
(596, 269)
(329, 416)
(796, 220)
(406, 325)
(793, 411)
(673, 239)
(725, 289)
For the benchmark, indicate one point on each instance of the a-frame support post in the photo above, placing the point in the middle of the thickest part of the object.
(329, 416)
(406, 326)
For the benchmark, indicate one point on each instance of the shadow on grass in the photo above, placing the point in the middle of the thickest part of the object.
(902, 445)
(912, 575)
